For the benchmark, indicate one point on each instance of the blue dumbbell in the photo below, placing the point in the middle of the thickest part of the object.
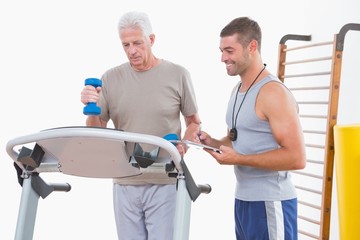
(91, 108)
(171, 137)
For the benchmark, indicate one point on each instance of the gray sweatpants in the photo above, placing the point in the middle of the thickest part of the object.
(144, 212)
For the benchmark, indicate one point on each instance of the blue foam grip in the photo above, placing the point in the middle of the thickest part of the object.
(91, 108)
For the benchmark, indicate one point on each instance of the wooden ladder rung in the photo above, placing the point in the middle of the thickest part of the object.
(308, 234)
(317, 222)
(309, 205)
(308, 189)
(307, 174)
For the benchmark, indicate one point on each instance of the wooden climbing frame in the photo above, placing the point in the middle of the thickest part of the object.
(312, 72)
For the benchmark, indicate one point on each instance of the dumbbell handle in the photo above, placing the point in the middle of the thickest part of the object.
(91, 108)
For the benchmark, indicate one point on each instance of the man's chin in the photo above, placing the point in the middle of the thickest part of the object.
(230, 73)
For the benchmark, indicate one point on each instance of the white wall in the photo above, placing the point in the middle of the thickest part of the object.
(48, 48)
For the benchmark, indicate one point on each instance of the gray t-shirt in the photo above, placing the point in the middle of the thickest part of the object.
(148, 102)
(255, 136)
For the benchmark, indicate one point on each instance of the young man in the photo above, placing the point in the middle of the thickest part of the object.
(264, 139)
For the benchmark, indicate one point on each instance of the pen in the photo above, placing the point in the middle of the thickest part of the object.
(199, 133)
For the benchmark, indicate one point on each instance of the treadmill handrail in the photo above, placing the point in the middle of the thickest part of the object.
(95, 132)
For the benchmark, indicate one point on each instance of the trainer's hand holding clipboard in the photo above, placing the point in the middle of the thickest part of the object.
(195, 144)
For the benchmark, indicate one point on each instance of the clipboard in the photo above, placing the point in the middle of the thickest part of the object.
(196, 145)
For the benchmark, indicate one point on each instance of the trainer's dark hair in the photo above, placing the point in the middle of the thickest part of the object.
(246, 30)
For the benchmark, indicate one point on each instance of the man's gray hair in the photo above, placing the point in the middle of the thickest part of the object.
(136, 20)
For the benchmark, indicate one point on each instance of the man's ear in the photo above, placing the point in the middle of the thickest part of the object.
(253, 45)
(152, 39)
